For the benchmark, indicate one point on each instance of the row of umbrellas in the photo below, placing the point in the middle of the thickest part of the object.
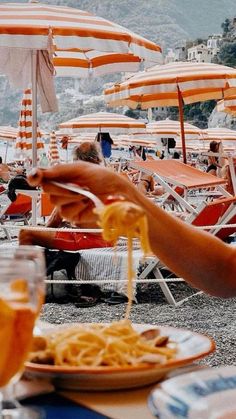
(45, 37)
(139, 132)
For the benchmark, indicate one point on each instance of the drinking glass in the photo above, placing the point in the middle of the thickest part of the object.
(34, 254)
(21, 296)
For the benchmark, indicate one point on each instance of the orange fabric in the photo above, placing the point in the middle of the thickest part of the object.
(178, 173)
(46, 206)
(65, 240)
(22, 205)
(212, 213)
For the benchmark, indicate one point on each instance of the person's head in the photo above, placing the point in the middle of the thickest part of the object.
(176, 155)
(87, 151)
(214, 146)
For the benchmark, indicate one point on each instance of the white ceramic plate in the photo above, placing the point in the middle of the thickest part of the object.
(204, 394)
(190, 346)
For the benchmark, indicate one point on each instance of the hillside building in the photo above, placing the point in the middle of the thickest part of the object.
(200, 54)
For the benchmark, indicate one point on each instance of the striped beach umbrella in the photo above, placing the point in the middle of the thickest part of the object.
(172, 85)
(103, 122)
(168, 128)
(227, 105)
(94, 63)
(23, 145)
(29, 33)
(29, 25)
(53, 153)
(219, 134)
(8, 133)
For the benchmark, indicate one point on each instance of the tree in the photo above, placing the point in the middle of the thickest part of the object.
(226, 27)
(227, 54)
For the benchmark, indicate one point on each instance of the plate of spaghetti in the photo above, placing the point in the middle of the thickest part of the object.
(113, 356)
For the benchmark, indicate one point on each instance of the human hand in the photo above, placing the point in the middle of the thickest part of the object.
(97, 179)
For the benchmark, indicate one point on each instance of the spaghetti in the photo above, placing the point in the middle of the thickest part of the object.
(124, 218)
(98, 345)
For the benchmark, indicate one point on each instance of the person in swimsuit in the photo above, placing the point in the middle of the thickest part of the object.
(213, 161)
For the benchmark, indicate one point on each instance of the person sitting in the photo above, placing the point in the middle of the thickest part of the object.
(63, 240)
(145, 184)
(213, 161)
(203, 260)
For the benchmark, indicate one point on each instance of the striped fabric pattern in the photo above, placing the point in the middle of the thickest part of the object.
(93, 63)
(223, 134)
(227, 105)
(158, 86)
(169, 128)
(8, 133)
(107, 264)
(23, 143)
(53, 153)
(104, 121)
(28, 25)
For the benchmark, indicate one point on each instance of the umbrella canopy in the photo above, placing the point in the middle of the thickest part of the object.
(23, 143)
(8, 133)
(94, 63)
(169, 128)
(104, 121)
(221, 134)
(30, 32)
(53, 153)
(227, 105)
(172, 85)
(71, 29)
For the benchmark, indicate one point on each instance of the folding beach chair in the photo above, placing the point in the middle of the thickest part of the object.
(173, 173)
(17, 211)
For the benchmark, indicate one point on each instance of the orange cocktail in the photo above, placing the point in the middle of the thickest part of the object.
(17, 318)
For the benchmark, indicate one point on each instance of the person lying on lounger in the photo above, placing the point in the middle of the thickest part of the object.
(201, 259)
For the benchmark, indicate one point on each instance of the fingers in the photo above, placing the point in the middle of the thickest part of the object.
(78, 172)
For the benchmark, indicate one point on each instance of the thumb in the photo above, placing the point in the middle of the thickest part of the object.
(62, 172)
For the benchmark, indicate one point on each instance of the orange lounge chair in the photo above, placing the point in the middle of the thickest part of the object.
(218, 212)
(17, 211)
(173, 173)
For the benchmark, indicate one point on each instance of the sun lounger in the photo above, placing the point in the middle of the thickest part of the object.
(173, 173)
(216, 214)
(17, 211)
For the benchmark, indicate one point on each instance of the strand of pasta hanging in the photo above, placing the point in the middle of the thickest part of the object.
(123, 218)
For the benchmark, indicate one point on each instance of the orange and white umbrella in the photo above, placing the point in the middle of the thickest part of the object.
(227, 105)
(23, 145)
(8, 133)
(94, 63)
(29, 26)
(172, 85)
(29, 32)
(168, 128)
(53, 153)
(104, 121)
(219, 134)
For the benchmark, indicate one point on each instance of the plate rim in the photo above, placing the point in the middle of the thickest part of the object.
(101, 370)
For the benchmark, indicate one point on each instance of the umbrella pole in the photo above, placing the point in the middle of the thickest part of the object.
(34, 106)
(181, 120)
(5, 158)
